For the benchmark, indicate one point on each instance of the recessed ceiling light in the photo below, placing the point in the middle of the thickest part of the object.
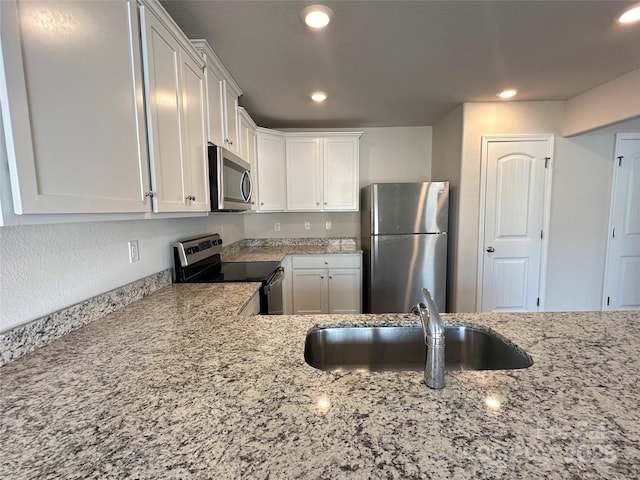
(630, 15)
(318, 96)
(317, 16)
(508, 93)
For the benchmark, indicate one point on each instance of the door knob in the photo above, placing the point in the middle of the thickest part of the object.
(490, 249)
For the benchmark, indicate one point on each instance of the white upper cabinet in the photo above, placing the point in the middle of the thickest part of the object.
(231, 95)
(174, 80)
(222, 100)
(341, 172)
(248, 145)
(322, 171)
(271, 171)
(304, 173)
(72, 106)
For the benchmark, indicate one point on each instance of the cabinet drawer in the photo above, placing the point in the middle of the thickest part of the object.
(326, 261)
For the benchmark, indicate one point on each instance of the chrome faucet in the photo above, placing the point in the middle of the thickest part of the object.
(433, 330)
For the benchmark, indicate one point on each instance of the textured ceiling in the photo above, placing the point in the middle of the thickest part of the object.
(401, 63)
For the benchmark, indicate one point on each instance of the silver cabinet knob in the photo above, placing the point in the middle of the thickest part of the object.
(490, 249)
(149, 194)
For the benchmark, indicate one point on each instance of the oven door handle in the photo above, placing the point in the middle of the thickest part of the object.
(274, 280)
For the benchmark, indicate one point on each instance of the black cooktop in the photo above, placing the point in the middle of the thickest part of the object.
(246, 271)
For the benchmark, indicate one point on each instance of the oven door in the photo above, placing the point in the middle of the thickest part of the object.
(272, 294)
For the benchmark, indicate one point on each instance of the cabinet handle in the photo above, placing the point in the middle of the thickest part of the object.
(261, 203)
(330, 278)
(326, 263)
(322, 276)
(149, 194)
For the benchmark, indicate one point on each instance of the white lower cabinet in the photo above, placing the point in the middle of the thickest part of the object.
(326, 284)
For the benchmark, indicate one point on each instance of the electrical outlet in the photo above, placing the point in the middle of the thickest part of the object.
(134, 251)
(307, 225)
(276, 226)
(328, 225)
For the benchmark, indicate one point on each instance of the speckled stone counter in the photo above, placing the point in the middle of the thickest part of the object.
(168, 388)
(254, 250)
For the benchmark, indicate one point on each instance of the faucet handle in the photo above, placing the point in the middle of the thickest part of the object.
(416, 308)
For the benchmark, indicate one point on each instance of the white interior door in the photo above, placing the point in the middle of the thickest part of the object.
(622, 277)
(514, 213)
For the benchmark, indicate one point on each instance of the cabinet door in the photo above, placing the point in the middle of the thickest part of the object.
(309, 292)
(231, 119)
(345, 290)
(304, 174)
(248, 152)
(215, 106)
(271, 172)
(194, 145)
(341, 170)
(163, 76)
(72, 106)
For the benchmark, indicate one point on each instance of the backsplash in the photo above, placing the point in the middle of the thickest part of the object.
(37, 333)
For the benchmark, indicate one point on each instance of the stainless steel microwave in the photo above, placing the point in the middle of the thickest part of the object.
(229, 181)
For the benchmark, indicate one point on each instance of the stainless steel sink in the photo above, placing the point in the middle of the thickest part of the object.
(389, 348)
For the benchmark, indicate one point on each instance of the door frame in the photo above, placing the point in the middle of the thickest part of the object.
(548, 174)
(614, 183)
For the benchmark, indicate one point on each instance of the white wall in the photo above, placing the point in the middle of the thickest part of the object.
(580, 204)
(45, 268)
(261, 225)
(614, 101)
(393, 154)
(491, 118)
(446, 165)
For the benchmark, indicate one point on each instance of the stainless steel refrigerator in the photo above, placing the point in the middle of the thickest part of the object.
(404, 240)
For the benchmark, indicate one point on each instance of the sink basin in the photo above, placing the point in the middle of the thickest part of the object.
(391, 348)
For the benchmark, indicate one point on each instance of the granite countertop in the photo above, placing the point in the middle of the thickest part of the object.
(255, 250)
(168, 387)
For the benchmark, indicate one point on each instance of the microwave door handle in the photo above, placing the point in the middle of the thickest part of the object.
(245, 175)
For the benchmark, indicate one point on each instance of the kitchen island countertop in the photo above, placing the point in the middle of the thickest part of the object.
(174, 386)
